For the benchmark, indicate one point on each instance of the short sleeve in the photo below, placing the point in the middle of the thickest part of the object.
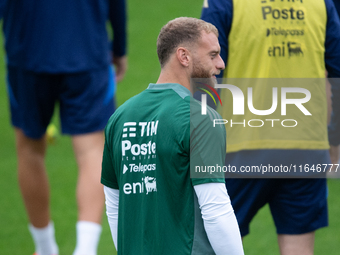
(207, 147)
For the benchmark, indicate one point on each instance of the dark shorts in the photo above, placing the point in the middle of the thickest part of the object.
(85, 99)
(298, 206)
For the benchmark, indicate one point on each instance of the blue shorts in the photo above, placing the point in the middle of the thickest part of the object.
(86, 100)
(298, 206)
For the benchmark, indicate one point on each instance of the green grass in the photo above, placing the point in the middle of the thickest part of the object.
(145, 20)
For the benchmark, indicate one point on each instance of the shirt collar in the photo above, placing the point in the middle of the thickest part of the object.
(178, 88)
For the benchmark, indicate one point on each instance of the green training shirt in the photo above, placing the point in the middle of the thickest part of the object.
(150, 142)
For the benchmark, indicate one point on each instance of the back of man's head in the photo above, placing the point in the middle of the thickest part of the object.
(181, 31)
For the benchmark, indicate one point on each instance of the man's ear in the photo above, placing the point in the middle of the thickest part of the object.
(183, 56)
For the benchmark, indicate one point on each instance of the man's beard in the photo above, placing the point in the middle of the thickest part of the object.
(200, 76)
(199, 71)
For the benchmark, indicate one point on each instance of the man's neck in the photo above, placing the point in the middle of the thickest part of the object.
(174, 77)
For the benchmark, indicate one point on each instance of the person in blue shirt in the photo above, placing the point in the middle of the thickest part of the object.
(59, 52)
(334, 130)
(298, 206)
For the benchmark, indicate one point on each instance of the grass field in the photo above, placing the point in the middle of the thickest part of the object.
(145, 20)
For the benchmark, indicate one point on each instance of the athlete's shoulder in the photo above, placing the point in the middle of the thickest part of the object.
(202, 113)
(171, 97)
(218, 12)
(332, 13)
(128, 106)
(166, 101)
(217, 5)
(333, 8)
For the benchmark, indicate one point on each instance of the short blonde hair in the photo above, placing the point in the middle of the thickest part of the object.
(180, 31)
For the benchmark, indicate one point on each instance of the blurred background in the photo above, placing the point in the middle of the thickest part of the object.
(145, 18)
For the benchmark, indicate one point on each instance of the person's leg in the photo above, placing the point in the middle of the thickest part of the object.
(34, 188)
(88, 149)
(33, 179)
(86, 104)
(297, 244)
(299, 208)
(247, 197)
(32, 98)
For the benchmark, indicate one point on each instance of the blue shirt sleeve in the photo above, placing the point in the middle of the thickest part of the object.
(220, 14)
(117, 16)
(337, 5)
(332, 43)
(2, 7)
(332, 59)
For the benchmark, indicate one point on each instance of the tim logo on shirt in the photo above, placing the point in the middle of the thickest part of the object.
(132, 130)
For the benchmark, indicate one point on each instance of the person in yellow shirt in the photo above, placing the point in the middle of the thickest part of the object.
(268, 42)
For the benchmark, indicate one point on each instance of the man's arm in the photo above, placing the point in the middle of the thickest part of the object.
(117, 15)
(334, 152)
(332, 59)
(219, 219)
(2, 7)
(112, 205)
(220, 14)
